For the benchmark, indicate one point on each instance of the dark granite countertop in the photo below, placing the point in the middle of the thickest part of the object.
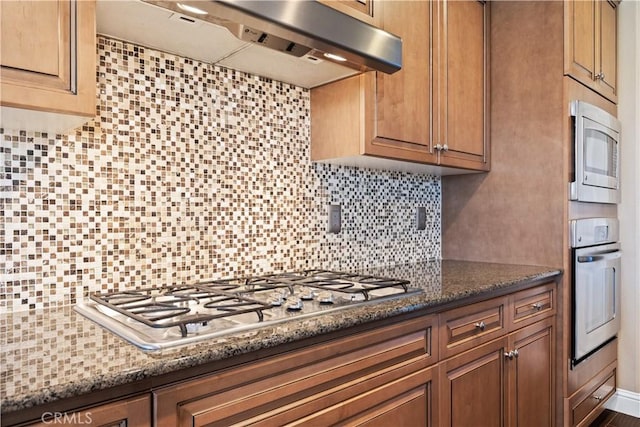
(47, 355)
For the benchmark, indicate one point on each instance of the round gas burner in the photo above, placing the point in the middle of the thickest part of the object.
(325, 297)
(294, 303)
(306, 293)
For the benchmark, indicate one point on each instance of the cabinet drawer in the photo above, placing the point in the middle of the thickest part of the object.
(264, 388)
(383, 398)
(534, 304)
(298, 393)
(464, 328)
(585, 405)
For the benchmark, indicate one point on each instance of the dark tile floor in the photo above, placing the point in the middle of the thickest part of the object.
(615, 419)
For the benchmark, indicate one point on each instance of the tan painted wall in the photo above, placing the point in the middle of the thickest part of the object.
(629, 209)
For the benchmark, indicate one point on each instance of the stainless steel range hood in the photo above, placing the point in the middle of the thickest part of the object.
(283, 40)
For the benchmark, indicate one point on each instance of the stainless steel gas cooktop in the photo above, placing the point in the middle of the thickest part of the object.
(168, 316)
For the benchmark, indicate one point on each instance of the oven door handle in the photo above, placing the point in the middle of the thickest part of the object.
(598, 256)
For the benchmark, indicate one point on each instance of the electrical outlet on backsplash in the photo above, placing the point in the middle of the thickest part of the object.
(151, 192)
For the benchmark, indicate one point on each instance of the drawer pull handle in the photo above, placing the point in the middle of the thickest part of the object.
(481, 326)
(537, 306)
(598, 398)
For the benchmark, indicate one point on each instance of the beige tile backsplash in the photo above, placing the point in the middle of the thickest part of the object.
(190, 171)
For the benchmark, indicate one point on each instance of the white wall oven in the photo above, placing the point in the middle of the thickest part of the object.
(596, 155)
(596, 284)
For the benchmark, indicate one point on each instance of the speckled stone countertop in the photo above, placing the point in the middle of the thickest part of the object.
(47, 355)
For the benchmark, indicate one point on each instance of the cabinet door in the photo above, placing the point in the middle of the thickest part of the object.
(358, 120)
(591, 51)
(461, 83)
(472, 387)
(134, 412)
(39, 58)
(403, 98)
(530, 375)
(401, 125)
(51, 70)
(607, 59)
(580, 40)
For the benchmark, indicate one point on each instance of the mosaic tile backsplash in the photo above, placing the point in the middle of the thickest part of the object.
(190, 171)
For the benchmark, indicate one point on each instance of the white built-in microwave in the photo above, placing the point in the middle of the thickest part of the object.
(596, 155)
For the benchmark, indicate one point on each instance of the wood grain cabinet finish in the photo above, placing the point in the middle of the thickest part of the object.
(467, 327)
(531, 375)
(531, 305)
(362, 10)
(379, 372)
(508, 381)
(472, 387)
(586, 404)
(371, 118)
(591, 50)
(461, 97)
(47, 76)
(132, 412)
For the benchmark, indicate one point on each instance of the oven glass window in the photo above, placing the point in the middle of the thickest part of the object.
(601, 300)
(600, 153)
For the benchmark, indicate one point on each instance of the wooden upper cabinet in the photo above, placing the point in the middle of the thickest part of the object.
(362, 10)
(461, 83)
(380, 116)
(591, 49)
(39, 58)
(402, 101)
(608, 52)
(51, 70)
(438, 97)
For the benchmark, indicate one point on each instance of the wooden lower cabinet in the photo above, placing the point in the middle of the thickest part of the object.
(531, 376)
(131, 412)
(472, 387)
(361, 379)
(586, 404)
(407, 401)
(506, 382)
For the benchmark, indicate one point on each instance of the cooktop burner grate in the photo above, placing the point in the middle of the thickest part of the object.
(348, 283)
(178, 306)
(159, 317)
